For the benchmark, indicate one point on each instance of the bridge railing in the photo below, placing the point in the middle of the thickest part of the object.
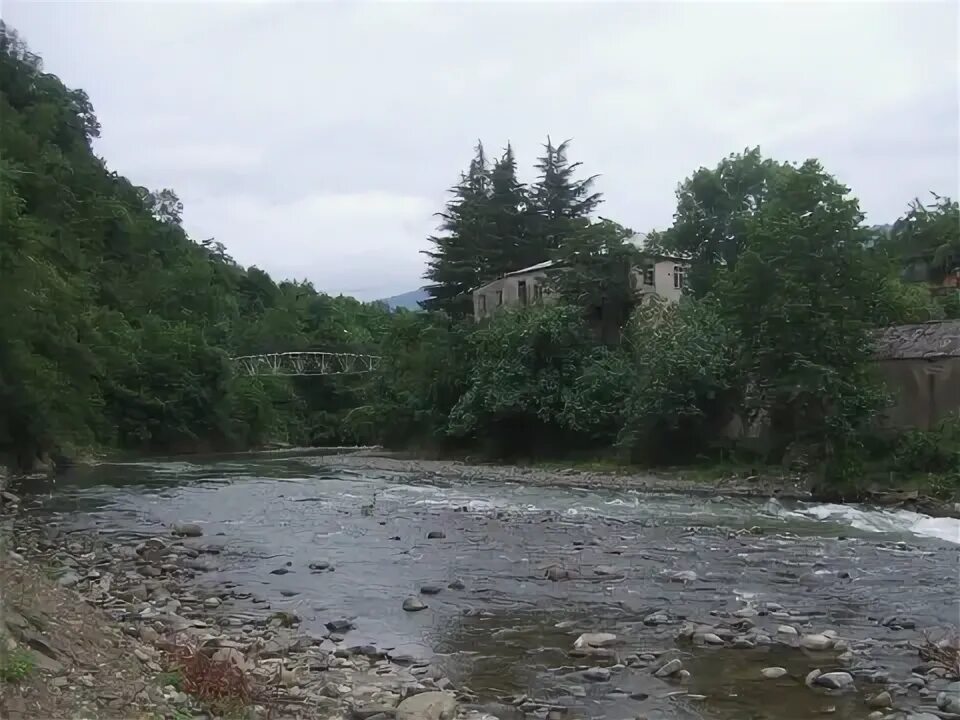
(307, 363)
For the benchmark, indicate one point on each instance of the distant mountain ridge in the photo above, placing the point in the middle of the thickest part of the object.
(409, 300)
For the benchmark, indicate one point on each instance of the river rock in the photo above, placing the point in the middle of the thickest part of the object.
(595, 640)
(431, 590)
(684, 576)
(339, 626)
(428, 706)
(556, 573)
(149, 635)
(68, 579)
(187, 530)
(211, 602)
(412, 604)
(816, 642)
(657, 618)
(773, 673)
(834, 680)
(880, 700)
(786, 630)
(436, 535)
(285, 618)
(712, 639)
(949, 699)
(607, 571)
(597, 674)
(457, 585)
(319, 566)
(672, 667)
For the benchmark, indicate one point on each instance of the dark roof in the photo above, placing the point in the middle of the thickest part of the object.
(926, 341)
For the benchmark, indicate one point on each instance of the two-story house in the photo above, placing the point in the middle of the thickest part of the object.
(657, 274)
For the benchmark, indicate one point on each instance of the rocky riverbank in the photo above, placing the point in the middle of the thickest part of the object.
(97, 629)
(126, 621)
(124, 628)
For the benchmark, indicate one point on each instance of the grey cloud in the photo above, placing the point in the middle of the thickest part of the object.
(317, 140)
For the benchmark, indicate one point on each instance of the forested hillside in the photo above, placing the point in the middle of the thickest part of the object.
(116, 328)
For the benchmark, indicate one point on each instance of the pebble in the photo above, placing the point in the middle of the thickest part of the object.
(786, 630)
(949, 699)
(320, 565)
(457, 585)
(712, 639)
(412, 604)
(211, 602)
(187, 530)
(431, 590)
(436, 535)
(68, 579)
(880, 700)
(816, 642)
(773, 672)
(670, 668)
(597, 674)
(834, 680)
(595, 640)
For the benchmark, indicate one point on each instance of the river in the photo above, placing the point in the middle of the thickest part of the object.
(509, 629)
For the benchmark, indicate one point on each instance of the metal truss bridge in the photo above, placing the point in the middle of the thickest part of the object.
(307, 363)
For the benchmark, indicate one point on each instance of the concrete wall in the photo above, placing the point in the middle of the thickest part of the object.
(506, 292)
(663, 280)
(924, 391)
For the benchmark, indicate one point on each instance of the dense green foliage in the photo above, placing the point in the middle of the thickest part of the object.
(117, 329)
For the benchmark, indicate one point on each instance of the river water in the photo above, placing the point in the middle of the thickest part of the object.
(510, 628)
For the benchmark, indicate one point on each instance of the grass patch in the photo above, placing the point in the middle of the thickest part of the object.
(15, 665)
(172, 678)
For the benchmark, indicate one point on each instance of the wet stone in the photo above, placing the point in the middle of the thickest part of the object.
(834, 680)
(187, 530)
(412, 604)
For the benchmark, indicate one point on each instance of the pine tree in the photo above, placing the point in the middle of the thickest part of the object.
(509, 245)
(561, 204)
(455, 265)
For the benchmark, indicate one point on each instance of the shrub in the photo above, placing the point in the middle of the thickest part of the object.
(219, 685)
(936, 450)
(682, 379)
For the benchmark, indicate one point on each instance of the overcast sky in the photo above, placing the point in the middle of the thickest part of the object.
(316, 140)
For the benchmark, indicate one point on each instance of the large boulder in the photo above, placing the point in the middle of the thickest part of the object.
(428, 706)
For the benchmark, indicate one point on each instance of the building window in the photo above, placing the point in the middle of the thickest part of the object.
(538, 293)
(483, 304)
(522, 291)
(499, 298)
(648, 274)
(679, 277)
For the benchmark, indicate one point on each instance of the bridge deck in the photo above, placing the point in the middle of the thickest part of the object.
(307, 363)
